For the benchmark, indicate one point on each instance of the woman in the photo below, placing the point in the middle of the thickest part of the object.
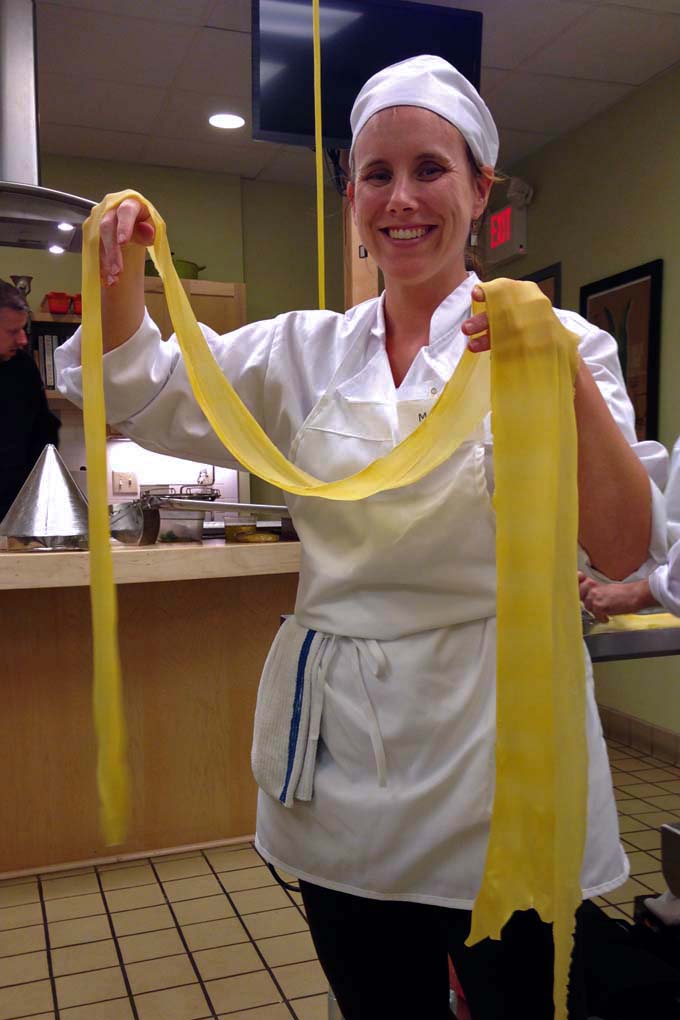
(398, 588)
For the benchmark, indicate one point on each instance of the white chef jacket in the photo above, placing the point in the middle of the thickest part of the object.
(401, 585)
(664, 582)
(672, 495)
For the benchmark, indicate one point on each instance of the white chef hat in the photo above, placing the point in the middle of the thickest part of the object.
(433, 84)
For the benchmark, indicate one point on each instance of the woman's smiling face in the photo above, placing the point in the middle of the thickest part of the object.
(414, 195)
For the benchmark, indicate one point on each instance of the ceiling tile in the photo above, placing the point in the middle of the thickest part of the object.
(548, 65)
(668, 6)
(66, 140)
(492, 78)
(510, 37)
(100, 104)
(185, 115)
(613, 44)
(188, 12)
(514, 29)
(516, 145)
(542, 103)
(242, 161)
(230, 14)
(111, 48)
(218, 62)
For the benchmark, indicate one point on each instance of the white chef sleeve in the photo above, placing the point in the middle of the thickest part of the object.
(599, 352)
(672, 495)
(664, 582)
(147, 391)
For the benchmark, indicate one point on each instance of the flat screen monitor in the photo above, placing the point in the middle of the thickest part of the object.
(358, 37)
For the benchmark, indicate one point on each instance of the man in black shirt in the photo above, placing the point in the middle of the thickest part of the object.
(26, 423)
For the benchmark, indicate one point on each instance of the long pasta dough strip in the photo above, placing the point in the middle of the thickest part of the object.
(112, 769)
(538, 824)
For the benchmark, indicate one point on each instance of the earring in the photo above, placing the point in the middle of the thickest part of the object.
(363, 253)
(474, 233)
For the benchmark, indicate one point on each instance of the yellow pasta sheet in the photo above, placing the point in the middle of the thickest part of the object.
(636, 621)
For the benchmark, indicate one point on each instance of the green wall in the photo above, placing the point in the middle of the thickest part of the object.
(279, 248)
(49, 272)
(262, 234)
(607, 198)
(202, 211)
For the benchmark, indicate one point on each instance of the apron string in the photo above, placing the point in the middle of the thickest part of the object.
(378, 668)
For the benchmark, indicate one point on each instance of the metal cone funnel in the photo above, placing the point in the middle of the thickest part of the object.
(50, 511)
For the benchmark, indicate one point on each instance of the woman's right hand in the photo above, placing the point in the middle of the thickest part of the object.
(129, 223)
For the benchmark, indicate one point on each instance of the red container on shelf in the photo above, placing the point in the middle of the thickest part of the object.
(58, 302)
(77, 304)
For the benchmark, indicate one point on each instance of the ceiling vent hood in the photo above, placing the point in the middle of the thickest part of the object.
(29, 214)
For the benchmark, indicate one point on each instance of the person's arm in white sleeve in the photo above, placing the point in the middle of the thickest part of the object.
(599, 352)
(664, 583)
(148, 394)
(672, 495)
(147, 391)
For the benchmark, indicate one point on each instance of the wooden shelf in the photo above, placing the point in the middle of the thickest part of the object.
(48, 317)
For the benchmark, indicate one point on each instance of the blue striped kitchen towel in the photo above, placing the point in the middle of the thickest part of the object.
(281, 731)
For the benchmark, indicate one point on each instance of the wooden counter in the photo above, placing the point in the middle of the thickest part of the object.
(179, 561)
(195, 625)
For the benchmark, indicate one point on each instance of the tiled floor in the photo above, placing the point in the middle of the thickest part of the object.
(210, 934)
(197, 935)
(647, 794)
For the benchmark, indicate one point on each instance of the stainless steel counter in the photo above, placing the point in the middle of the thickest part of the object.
(633, 644)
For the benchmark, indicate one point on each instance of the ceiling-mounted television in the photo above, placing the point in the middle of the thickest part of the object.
(358, 37)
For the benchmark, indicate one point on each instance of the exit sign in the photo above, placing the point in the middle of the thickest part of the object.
(505, 234)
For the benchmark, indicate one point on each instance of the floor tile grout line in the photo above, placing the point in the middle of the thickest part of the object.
(95, 970)
(27, 1016)
(287, 891)
(184, 942)
(646, 782)
(122, 910)
(48, 951)
(253, 942)
(13, 956)
(119, 954)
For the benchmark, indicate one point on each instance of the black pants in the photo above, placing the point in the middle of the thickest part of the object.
(389, 960)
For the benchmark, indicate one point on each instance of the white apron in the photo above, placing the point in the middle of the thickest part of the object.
(403, 585)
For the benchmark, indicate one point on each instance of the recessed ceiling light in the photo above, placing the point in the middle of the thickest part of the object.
(226, 120)
(65, 226)
(56, 249)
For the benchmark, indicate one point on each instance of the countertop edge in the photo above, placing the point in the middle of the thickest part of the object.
(150, 564)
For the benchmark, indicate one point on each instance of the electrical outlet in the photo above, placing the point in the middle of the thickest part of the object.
(125, 482)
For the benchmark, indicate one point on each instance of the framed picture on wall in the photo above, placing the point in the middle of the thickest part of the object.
(628, 305)
(549, 281)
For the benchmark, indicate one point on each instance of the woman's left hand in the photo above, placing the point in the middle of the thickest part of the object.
(477, 326)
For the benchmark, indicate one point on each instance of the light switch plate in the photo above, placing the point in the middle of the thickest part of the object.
(125, 483)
